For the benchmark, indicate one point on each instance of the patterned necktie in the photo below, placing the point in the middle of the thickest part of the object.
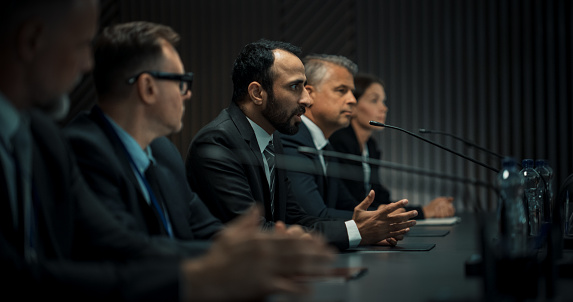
(269, 153)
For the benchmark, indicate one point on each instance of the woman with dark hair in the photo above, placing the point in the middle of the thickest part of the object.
(357, 139)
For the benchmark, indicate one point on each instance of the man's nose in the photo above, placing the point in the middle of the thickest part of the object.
(305, 99)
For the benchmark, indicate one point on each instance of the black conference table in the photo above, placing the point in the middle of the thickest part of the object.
(435, 275)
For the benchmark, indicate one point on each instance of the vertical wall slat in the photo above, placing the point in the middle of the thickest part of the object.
(481, 69)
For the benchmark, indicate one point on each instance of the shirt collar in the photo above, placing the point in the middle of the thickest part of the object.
(317, 135)
(263, 138)
(10, 119)
(141, 157)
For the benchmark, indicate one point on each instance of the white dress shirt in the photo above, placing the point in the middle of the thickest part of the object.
(320, 142)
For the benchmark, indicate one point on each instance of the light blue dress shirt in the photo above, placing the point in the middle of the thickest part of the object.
(142, 158)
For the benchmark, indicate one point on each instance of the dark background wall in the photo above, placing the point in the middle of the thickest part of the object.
(496, 72)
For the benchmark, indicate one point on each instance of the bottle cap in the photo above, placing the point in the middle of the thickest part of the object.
(527, 163)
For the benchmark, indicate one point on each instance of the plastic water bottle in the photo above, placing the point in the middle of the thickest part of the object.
(533, 189)
(511, 211)
(546, 173)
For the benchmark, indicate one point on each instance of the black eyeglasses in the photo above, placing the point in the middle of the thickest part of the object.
(185, 80)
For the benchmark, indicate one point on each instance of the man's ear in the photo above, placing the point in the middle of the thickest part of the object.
(29, 39)
(256, 93)
(146, 89)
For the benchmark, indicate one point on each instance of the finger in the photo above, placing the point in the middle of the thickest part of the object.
(287, 285)
(295, 231)
(382, 242)
(399, 232)
(296, 245)
(445, 211)
(366, 202)
(404, 224)
(452, 211)
(301, 263)
(396, 218)
(391, 241)
(392, 207)
(304, 252)
(398, 211)
(280, 228)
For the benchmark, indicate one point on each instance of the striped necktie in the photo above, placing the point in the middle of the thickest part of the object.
(269, 153)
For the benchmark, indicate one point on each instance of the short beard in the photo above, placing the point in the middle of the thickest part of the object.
(280, 119)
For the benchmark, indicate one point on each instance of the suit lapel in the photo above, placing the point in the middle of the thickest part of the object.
(50, 188)
(254, 152)
(322, 179)
(330, 191)
(374, 153)
(98, 117)
(352, 141)
(246, 131)
(172, 194)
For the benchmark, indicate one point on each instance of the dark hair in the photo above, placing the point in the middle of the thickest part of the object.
(123, 50)
(362, 81)
(254, 65)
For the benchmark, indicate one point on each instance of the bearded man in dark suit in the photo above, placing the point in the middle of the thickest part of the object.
(234, 161)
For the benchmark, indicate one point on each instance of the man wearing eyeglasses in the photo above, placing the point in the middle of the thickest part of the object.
(139, 175)
(120, 145)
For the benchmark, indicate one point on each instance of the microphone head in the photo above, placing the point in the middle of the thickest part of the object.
(375, 123)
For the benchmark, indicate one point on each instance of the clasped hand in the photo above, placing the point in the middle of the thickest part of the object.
(385, 225)
(245, 263)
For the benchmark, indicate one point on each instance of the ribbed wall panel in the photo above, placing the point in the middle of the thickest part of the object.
(497, 72)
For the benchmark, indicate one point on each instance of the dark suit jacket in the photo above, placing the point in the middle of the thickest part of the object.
(72, 224)
(225, 167)
(345, 141)
(320, 195)
(107, 169)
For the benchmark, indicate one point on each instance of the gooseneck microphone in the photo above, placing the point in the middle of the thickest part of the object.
(378, 124)
(468, 143)
(343, 171)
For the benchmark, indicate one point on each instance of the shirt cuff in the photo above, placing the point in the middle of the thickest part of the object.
(354, 237)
